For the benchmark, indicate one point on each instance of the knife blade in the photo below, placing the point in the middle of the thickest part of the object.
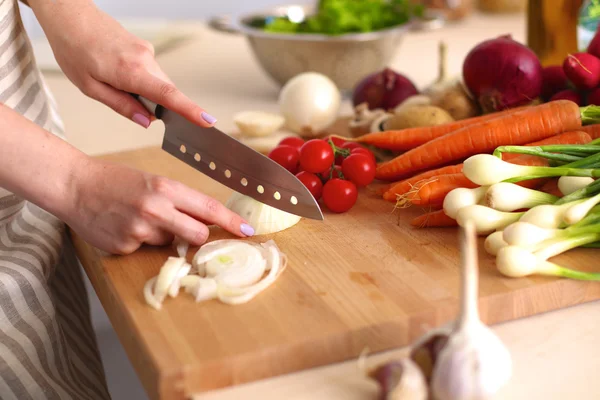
(233, 164)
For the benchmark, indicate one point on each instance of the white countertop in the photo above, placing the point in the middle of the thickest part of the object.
(556, 355)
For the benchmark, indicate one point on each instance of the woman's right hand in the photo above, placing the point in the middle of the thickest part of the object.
(117, 209)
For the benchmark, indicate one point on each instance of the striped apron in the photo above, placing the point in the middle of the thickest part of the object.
(47, 344)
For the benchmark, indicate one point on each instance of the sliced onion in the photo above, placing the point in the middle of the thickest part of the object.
(229, 270)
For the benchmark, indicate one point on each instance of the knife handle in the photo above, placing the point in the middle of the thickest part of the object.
(152, 107)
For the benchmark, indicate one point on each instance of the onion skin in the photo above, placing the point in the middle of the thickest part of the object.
(502, 73)
(568, 94)
(554, 80)
(583, 70)
(385, 89)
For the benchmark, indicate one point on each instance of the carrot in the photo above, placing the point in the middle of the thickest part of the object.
(551, 187)
(532, 124)
(432, 191)
(433, 219)
(402, 187)
(593, 130)
(406, 139)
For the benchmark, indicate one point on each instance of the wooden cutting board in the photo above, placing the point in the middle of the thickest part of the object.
(363, 279)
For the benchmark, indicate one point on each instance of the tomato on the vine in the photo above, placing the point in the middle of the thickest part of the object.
(316, 156)
(364, 151)
(351, 145)
(293, 141)
(359, 169)
(312, 182)
(286, 156)
(337, 141)
(339, 195)
(335, 172)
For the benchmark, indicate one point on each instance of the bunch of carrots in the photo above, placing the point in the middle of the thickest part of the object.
(429, 163)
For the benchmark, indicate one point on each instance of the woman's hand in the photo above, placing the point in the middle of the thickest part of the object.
(119, 215)
(106, 62)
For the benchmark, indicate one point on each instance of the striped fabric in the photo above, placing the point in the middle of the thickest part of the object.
(47, 345)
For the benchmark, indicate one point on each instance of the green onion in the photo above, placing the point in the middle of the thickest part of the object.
(486, 169)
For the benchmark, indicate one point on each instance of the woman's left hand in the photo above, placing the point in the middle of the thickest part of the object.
(106, 62)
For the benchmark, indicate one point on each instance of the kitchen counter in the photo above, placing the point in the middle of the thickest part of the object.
(555, 354)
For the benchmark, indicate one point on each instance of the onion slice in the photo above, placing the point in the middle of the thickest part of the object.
(230, 270)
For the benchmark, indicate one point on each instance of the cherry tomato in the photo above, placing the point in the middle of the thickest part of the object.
(359, 169)
(366, 152)
(337, 141)
(339, 159)
(339, 195)
(316, 156)
(312, 183)
(292, 141)
(351, 145)
(337, 173)
(286, 156)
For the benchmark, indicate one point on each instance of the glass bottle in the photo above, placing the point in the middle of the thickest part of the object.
(552, 29)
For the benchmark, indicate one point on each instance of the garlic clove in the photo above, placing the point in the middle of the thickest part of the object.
(426, 352)
(258, 123)
(400, 380)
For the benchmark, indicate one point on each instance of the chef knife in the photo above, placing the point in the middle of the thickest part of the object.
(233, 164)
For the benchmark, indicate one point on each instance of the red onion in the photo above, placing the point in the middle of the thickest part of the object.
(385, 90)
(568, 94)
(554, 80)
(583, 70)
(593, 97)
(502, 73)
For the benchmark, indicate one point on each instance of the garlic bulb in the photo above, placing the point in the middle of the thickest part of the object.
(474, 364)
(309, 102)
(263, 218)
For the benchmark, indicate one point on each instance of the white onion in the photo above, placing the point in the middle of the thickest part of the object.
(263, 218)
(309, 102)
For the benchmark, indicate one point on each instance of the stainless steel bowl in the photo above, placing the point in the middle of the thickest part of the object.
(345, 59)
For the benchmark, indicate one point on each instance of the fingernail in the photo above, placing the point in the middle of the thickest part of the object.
(247, 230)
(208, 118)
(141, 119)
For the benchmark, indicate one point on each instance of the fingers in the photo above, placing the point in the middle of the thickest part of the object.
(160, 238)
(211, 210)
(165, 93)
(121, 102)
(185, 227)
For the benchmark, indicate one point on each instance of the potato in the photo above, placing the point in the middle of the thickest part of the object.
(416, 116)
(415, 100)
(456, 102)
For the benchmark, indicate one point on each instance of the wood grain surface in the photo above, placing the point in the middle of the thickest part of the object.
(363, 279)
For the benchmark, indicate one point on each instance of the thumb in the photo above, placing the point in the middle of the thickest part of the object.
(121, 102)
